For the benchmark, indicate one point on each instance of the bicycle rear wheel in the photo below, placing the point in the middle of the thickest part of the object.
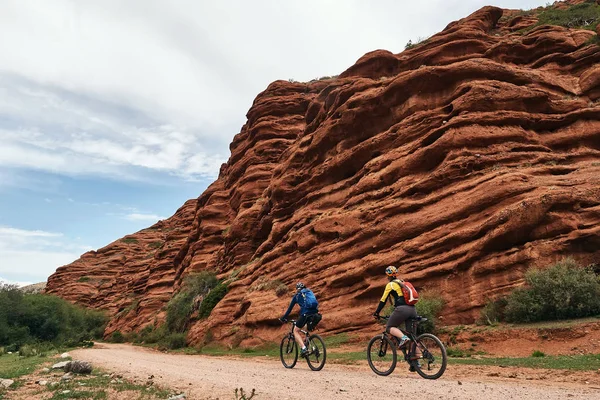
(317, 354)
(430, 354)
(288, 352)
(381, 354)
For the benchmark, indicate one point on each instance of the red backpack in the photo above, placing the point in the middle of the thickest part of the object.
(411, 297)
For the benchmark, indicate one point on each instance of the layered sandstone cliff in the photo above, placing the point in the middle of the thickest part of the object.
(463, 160)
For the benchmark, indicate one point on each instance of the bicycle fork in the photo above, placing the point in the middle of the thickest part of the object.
(383, 347)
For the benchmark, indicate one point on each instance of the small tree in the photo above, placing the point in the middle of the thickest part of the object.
(562, 291)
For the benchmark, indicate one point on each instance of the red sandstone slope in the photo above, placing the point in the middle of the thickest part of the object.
(463, 160)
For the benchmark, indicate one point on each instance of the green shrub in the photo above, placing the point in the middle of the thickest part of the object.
(180, 307)
(155, 245)
(429, 306)
(27, 351)
(173, 341)
(456, 352)
(129, 240)
(83, 279)
(493, 311)
(584, 15)
(562, 291)
(538, 353)
(32, 318)
(211, 300)
(117, 337)
(151, 335)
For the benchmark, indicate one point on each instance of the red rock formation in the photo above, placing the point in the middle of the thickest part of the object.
(463, 160)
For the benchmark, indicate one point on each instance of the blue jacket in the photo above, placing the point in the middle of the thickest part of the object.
(299, 299)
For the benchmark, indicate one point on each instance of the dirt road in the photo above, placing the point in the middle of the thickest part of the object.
(203, 377)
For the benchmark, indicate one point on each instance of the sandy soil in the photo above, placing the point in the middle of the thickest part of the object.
(203, 377)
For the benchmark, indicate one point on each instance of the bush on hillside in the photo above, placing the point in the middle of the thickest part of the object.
(181, 306)
(211, 300)
(32, 318)
(584, 15)
(493, 311)
(562, 291)
(117, 337)
(430, 306)
(173, 341)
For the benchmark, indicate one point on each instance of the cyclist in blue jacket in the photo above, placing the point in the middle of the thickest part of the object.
(309, 306)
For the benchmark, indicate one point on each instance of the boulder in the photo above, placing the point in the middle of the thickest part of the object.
(5, 383)
(79, 367)
(61, 365)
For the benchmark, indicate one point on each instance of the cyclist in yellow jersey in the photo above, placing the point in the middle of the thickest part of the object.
(402, 311)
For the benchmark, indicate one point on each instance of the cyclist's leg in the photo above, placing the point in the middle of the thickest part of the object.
(297, 334)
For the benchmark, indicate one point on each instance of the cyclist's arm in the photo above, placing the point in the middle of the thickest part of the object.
(289, 310)
(386, 294)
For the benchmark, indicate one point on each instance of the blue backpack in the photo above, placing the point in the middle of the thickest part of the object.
(310, 301)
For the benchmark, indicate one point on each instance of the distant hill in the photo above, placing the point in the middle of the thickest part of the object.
(34, 288)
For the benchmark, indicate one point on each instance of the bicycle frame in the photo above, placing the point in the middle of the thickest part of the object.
(411, 336)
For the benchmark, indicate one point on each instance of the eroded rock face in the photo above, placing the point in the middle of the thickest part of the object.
(463, 160)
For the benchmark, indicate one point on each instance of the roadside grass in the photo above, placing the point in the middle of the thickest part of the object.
(587, 362)
(13, 366)
(558, 324)
(98, 386)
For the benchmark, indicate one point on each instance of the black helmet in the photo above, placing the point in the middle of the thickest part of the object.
(300, 286)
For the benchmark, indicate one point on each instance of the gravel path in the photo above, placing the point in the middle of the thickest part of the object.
(203, 377)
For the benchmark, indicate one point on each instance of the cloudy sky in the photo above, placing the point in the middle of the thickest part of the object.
(113, 113)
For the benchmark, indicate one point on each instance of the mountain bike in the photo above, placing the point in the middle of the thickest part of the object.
(425, 353)
(316, 352)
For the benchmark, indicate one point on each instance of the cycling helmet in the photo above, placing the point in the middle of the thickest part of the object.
(391, 271)
(300, 286)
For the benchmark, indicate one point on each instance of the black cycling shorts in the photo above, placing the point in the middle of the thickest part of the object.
(302, 320)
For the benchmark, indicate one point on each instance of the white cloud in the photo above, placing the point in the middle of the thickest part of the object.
(125, 89)
(8, 233)
(142, 217)
(32, 255)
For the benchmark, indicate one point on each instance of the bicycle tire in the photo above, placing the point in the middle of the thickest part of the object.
(288, 348)
(315, 353)
(382, 345)
(432, 353)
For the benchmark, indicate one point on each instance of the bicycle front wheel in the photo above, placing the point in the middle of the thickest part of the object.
(317, 354)
(381, 354)
(430, 356)
(288, 352)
